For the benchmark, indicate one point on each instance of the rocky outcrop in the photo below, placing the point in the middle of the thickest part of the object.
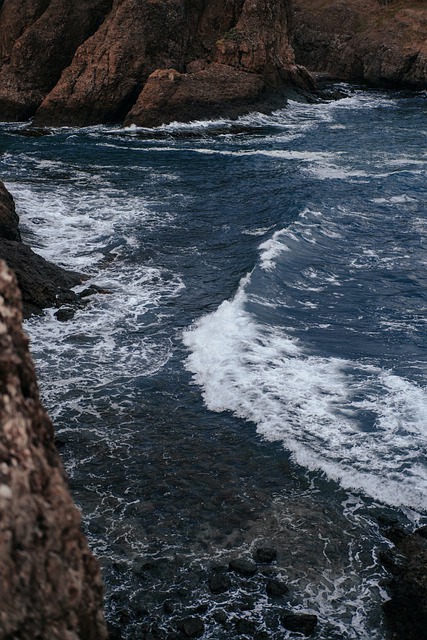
(216, 90)
(406, 611)
(50, 586)
(379, 42)
(38, 40)
(88, 61)
(40, 281)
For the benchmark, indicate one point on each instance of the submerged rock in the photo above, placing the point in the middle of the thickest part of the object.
(265, 554)
(276, 588)
(304, 623)
(244, 566)
(406, 611)
(51, 585)
(192, 627)
(219, 582)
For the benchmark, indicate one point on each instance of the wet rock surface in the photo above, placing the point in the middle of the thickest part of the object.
(381, 43)
(51, 585)
(406, 611)
(42, 283)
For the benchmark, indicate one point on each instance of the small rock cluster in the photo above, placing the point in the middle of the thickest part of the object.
(256, 581)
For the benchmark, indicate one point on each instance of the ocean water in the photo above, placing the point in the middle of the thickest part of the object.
(256, 372)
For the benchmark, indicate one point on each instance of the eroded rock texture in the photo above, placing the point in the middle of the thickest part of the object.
(87, 62)
(381, 42)
(50, 585)
(39, 280)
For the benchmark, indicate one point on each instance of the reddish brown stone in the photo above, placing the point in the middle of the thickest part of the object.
(50, 584)
(218, 90)
(38, 40)
(382, 43)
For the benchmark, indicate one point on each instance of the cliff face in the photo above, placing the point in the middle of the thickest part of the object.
(88, 61)
(381, 42)
(50, 585)
(40, 281)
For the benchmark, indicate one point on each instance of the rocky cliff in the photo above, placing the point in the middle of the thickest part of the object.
(42, 283)
(50, 586)
(88, 61)
(380, 42)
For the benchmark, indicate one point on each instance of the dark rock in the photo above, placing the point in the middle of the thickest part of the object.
(90, 291)
(422, 531)
(66, 297)
(192, 627)
(64, 314)
(39, 280)
(220, 617)
(9, 220)
(277, 588)
(201, 608)
(114, 633)
(406, 611)
(245, 626)
(265, 554)
(244, 566)
(219, 582)
(392, 561)
(51, 584)
(304, 623)
(168, 606)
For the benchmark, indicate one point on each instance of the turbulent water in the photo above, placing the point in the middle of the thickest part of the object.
(256, 372)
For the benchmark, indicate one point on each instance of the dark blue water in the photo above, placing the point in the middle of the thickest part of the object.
(257, 371)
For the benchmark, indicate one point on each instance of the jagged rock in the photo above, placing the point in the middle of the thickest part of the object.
(38, 40)
(406, 611)
(381, 43)
(218, 90)
(39, 280)
(50, 585)
(9, 219)
(87, 62)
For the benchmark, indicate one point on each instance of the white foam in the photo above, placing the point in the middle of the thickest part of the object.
(311, 404)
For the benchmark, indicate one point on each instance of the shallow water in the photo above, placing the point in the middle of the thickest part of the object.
(256, 372)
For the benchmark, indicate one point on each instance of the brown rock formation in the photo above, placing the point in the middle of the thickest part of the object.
(39, 280)
(406, 611)
(219, 89)
(38, 40)
(381, 42)
(86, 62)
(50, 585)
